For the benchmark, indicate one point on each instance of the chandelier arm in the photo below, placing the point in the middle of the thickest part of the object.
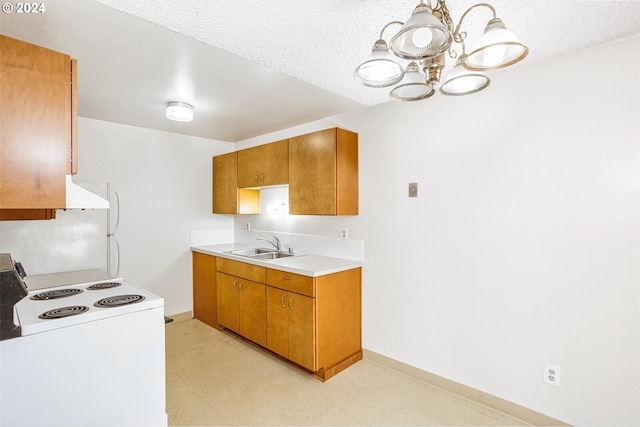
(459, 38)
(457, 33)
(390, 23)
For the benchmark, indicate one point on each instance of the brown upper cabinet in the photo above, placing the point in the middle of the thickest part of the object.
(225, 184)
(323, 173)
(227, 197)
(321, 169)
(264, 165)
(38, 132)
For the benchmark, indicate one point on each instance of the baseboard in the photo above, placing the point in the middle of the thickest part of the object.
(181, 317)
(493, 402)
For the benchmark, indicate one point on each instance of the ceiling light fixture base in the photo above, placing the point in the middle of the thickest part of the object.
(179, 111)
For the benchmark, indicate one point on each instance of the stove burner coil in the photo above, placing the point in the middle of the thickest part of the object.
(104, 285)
(55, 294)
(59, 313)
(118, 300)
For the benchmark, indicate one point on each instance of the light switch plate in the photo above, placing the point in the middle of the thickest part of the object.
(413, 189)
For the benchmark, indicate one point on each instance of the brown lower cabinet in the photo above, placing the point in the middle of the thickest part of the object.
(241, 307)
(204, 289)
(314, 322)
(290, 321)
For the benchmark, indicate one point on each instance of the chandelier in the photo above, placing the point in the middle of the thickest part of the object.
(424, 40)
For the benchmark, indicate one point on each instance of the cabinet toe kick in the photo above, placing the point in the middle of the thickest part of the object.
(324, 374)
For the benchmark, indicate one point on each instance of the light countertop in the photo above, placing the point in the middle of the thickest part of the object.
(305, 264)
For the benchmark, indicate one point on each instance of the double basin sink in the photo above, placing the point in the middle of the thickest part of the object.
(260, 253)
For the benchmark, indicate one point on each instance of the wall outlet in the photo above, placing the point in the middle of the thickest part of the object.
(552, 374)
(413, 189)
(247, 226)
(344, 233)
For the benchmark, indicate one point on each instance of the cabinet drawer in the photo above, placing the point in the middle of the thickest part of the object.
(298, 283)
(241, 269)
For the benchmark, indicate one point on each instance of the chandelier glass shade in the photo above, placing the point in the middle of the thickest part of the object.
(423, 40)
(422, 36)
(413, 87)
(461, 81)
(380, 69)
(496, 48)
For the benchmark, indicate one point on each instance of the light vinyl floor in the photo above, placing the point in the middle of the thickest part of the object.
(216, 378)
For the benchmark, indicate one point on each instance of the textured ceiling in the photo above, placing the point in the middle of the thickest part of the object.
(321, 42)
(253, 67)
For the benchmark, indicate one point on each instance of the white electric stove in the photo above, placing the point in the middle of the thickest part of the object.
(90, 353)
(60, 307)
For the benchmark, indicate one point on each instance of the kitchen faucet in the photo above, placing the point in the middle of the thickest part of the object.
(275, 245)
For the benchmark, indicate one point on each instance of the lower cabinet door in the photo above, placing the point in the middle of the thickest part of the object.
(205, 300)
(277, 321)
(227, 301)
(253, 311)
(301, 330)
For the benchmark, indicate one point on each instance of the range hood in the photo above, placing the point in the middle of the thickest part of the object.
(81, 198)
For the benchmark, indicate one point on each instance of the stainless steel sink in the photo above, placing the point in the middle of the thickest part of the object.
(250, 252)
(272, 255)
(260, 253)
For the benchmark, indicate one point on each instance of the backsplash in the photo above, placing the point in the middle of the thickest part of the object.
(299, 243)
(211, 237)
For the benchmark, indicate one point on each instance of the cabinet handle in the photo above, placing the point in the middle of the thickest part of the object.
(287, 277)
(235, 285)
(256, 177)
(262, 177)
(240, 287)
(291, 303)
(282, 301)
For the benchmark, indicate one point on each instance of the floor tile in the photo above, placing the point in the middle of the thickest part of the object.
(467, 413)
(218, 378)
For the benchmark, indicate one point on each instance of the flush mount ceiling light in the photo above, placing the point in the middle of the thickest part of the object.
(179, 111)
(424, 39)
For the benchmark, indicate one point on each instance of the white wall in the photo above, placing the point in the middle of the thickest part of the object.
(523, 245)
(164, 183)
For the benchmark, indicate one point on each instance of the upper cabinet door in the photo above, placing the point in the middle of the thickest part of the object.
(225, 187)
(37, 125)
(263, 165)
(323, 173)
(227, 197)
